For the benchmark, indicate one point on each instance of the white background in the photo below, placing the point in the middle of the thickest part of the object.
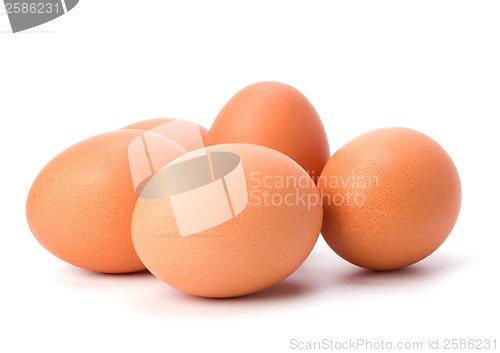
(430, 65)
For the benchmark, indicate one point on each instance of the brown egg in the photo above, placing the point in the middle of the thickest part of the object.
(227, 220)
(189, 135)
(80, 205)
(390, 196)
(275, 115)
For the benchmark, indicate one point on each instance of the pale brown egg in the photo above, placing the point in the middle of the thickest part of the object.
(80, 205)
(227, 220)
(390, 196)
(278, 116)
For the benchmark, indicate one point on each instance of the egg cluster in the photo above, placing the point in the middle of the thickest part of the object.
(235, 209)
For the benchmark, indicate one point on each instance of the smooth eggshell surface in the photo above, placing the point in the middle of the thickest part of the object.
(278, 116)
(391, 197)
(80, 205)
(256, 240)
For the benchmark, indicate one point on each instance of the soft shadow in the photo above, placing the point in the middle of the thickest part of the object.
(319, 276)
(427, 269)
(361, 276)
(77, 277)
(287, 289)
(166, 300)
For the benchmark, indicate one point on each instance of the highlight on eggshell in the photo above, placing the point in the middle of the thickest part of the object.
(227, 220)
(390, 196)
(80, 205)
(274, 115)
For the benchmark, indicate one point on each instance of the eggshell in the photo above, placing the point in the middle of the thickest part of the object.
(204, 225)
(80, 205)
(391, 197)
(189, 135)
(278, 116)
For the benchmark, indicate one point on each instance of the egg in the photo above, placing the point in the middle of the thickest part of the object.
(391, 197)
(187, 134)
(278, 116)
(227, 220)
(80, 205)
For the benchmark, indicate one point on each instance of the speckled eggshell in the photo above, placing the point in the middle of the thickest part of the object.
(80, 205)
(153, 123)
(260, 246)
(278, 116)
(391, 197)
